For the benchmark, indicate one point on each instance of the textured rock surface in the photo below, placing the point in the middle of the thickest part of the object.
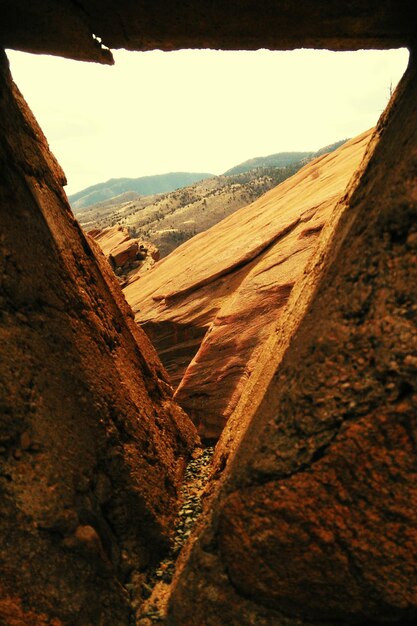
(234, 281)
(128, 256)
(110, 238)
(72, 28)
(92, 446)
(317, 519)
(366, 302)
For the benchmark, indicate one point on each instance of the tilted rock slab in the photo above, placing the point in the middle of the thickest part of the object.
(126, 255)
(70, 29)
(110, 238)
(92, 446)
(316, 519)
(210, 306)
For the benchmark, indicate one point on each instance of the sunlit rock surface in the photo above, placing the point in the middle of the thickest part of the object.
(316, 518)
(210, 306)
(127, 255)
(316, 523)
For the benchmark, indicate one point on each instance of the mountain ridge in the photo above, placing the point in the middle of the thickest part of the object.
(170, 219)
(144, 185)
(281, 159)
(171, 181)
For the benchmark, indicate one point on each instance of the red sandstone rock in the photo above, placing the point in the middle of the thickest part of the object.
(12, 613)
(124, 254)
(110, 237)
(316, 519)
(364, 288)
(346, 521)
(365, 306)
(127, 256)
(210, 306)
(72, 29)
(92, 447)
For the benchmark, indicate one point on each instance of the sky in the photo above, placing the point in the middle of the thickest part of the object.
(200, 110)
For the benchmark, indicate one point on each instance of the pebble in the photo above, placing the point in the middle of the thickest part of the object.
(410, 361)
(195, 478)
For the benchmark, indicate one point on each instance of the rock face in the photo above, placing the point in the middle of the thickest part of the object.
(317, 518)
(127, 256)
(211, 305)
(87, 29)
(92, 446)
(315, 521)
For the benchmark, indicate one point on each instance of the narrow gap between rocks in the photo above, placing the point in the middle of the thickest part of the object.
(149, 594)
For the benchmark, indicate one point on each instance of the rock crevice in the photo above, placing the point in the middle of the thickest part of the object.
(316, 520)
(92, 446)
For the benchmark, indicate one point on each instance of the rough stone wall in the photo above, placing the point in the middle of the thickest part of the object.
(92, 446)
(74, 29)
(317, 519)
(318, 513)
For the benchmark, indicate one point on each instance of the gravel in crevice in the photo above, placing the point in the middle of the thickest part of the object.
(149, 593)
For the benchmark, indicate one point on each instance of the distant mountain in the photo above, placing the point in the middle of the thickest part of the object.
(167, 220)
(145, 186)
(281, 159)
(330, 148)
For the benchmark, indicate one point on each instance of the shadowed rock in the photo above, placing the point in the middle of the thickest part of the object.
(325, 474)
(92, 446)
(86, 29)
(316, 520)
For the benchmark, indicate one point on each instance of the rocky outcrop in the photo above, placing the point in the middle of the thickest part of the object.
(211, 305)
(316, 519)
(128, 256)
(86, 29)
(92, 447)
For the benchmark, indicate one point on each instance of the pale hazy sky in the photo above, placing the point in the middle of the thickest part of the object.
(200, 110)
